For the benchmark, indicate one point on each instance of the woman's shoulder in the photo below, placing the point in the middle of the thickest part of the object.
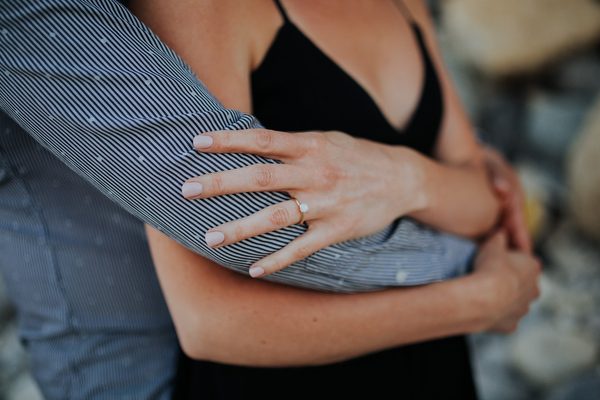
(239, 31)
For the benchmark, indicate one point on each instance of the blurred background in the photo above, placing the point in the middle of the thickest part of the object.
(528, 72)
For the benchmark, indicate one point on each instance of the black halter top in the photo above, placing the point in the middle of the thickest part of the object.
(297, 88)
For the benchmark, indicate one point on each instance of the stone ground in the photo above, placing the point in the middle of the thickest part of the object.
(15, 381)
(533, 120)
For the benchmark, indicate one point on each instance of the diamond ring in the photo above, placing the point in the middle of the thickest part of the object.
(303, 208)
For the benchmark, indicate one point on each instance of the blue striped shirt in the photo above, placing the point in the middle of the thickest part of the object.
(101, 92)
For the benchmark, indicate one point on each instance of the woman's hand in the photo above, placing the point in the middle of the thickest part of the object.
(508, 189)
(510, 278)
(353, 187)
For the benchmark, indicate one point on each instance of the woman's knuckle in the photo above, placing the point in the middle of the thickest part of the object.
(345, 224)
(314, 141)
(264, 139)
(330, 174)
(217, 185)
(224, 139)
(239, 232)
(274, 267)
(279, 216)
(302, 251)
(263, 175)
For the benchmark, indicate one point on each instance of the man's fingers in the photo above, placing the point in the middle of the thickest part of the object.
(269, 219)
(254, 178)
(298, 249)
(263, 142)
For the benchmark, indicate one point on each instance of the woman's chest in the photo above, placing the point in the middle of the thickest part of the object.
(371, 44)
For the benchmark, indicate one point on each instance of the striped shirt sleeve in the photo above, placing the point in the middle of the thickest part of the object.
(97, 88)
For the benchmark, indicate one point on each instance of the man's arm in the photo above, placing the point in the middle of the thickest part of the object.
(105, 95)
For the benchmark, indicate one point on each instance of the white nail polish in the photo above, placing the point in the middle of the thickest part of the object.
(214, 238)
(256, 272)
(191, 189)
(203, 142)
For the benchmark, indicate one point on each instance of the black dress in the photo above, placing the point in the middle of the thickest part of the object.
(297, 79)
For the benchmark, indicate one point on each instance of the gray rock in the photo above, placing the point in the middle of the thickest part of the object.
(586, 387)
(578, 74)
(493, 376)
(13, 361)
(547, 355)
(565, 301)
(473, 90)
(509, 37)
(24, 388)
(12, 355)
(501, 122)
(552, 123)
(583, 176)
(575, 258)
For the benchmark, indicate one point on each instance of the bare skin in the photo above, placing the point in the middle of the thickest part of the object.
(508, 189)
(398, 180)
(211, 305)
(226, 317)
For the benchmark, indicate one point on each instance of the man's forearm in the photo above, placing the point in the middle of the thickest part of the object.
(97, 88)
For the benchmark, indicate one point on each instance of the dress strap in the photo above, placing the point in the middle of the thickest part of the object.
(281, 10)
(405, 11)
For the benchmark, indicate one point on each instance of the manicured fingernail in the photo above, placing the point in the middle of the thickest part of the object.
(203, 142)
(191, 189)
(256, 272)
(214, 238)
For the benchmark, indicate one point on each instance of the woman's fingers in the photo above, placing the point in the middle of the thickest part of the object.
(269, 219)
(520, 235)
(263, 142)
(272, 218)
(313, 240)
(515, 282)
(254, 178)
(507, 186)
(514, 217)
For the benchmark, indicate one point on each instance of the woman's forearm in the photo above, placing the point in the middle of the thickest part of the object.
(453, 198)
(456, 195)
(226, 317)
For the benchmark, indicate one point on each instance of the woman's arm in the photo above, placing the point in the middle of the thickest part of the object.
(226, 317)
(339, 177)
(224, 34)
(229, 318)
(457, 192)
